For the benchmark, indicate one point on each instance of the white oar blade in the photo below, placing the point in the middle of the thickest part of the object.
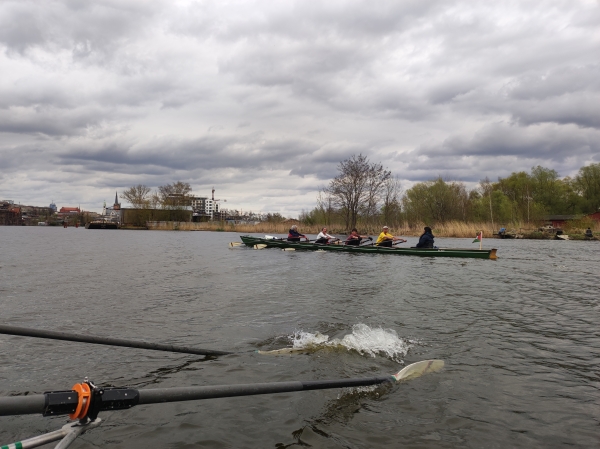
(260, 246)
(288, 249)
(234, 244)
(284, 351)
(418, 369)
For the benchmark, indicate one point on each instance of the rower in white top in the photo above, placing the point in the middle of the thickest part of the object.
(324, 238)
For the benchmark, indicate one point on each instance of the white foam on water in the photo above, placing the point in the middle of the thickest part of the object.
(363, 339)
(366, 340)
(303, 340)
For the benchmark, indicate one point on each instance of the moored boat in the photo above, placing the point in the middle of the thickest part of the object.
(370, 249)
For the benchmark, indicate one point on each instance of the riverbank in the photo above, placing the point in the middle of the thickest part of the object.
(447, 230)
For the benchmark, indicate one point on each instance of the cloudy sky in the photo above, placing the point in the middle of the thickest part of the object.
(262, 99)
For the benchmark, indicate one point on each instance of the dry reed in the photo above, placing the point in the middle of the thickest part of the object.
(449, 229)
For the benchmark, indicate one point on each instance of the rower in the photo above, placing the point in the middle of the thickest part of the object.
(355, 238)
(387, 239)
(426, 239)
(323, 238)
(294, 235)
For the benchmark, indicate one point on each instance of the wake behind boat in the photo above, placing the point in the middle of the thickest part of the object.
(259, 243)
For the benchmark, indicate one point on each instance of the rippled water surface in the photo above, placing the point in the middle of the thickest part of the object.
(520, 338)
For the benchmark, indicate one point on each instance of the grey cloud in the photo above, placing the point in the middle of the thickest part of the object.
(21, 26)
(242, 152)
(444, 91)
(581, 109)
(564, 95)
(552, 142)
(49, 121)
(297, 20)
(84, 28)
(558, 82)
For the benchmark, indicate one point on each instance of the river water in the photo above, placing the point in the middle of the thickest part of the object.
(520, 338)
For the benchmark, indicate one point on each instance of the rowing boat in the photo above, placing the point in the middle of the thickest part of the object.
(370, 249)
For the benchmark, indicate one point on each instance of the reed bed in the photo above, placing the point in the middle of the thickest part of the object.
(461, 229)
(455, 229)
(450, 229)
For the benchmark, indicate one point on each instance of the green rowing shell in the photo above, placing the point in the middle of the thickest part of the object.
(421, 252)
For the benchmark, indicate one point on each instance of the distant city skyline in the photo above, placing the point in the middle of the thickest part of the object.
(263, 99)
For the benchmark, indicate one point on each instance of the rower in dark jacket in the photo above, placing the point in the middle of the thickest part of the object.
(294, 235)
(426, 239)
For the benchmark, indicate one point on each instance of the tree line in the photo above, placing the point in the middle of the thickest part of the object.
(365, 194)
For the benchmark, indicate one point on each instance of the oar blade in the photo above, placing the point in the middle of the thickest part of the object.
(418, 369)
(260, 246)
(234, 244)
(284, 351)
(288, 249)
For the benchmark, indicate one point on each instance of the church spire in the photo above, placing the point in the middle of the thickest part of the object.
(116, 206)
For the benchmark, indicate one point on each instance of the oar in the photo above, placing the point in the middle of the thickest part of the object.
(263, 245)
(371, 242)
(234, 244)
(38, 333)
(53, 335)
(379, 246)
(294, 249)
(124, 398)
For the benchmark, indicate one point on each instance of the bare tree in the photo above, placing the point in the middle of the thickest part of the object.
(154, 200)
(138, 196)
(175, 196)
(391, 208)
(358, 187)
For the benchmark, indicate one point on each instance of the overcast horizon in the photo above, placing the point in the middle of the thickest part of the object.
(263, 99)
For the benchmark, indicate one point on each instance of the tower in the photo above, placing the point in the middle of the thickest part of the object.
(117, 205)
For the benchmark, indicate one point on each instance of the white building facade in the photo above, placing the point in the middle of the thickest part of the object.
(203, 206)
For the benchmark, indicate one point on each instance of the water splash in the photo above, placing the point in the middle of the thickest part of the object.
(363, 339)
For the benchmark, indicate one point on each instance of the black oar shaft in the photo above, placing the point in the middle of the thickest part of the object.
(157, 395)
(54, 335)
(25, 405)
(22, 405)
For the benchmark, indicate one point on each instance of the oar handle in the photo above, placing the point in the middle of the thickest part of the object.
(54, 335)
